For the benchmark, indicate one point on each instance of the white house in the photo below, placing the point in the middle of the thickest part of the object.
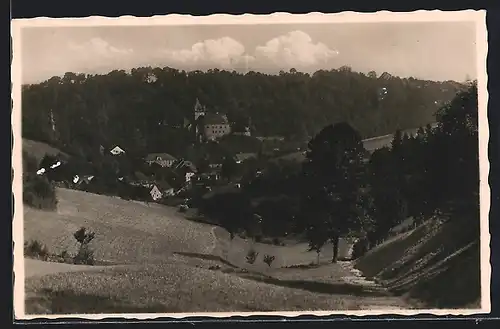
(117, 150)
(155, 193)
(189, 175)
(162, 159)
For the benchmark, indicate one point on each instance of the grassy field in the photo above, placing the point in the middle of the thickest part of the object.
(126, 231)
(165, 263)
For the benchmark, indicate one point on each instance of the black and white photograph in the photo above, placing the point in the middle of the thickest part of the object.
(221, 165)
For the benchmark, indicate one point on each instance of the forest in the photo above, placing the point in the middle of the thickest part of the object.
(149, 109)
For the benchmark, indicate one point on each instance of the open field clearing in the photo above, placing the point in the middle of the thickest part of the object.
(126, 232)
(164, 263)
(290, 255)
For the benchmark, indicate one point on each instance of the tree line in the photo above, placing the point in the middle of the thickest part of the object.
(149, 109)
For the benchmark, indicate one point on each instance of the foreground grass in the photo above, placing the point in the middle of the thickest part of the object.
(169, 264)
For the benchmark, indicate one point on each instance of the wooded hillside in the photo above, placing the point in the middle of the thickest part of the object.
(148, 109)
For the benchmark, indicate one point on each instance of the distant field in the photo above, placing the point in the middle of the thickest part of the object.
(437, 263)
(371, 144)
(294, 254)
(40, 149)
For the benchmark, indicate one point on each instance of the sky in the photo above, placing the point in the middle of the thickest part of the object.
(425, 50)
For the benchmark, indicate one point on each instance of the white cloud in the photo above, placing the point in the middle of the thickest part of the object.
(98, 47)
(224, 52)
(294, 49)
(98, 55)
(94, 55)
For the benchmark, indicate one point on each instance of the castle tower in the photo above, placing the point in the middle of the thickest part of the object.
(199, 110)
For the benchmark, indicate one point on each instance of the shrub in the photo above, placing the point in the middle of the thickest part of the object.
(268, 259)
(258, 238)
(36, 249)
(276, 242)
(65, 257)
(84, 236)
(38, 192)
(252, 256)
(85, 254)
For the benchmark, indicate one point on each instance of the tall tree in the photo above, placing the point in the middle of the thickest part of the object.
(333, 172)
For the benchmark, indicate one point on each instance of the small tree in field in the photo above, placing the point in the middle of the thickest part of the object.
(252, 256)
(268, 259)
(317, 248)
(85, 255)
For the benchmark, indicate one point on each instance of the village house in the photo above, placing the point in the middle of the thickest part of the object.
(117, 150)
(155, 193)
(187, 165)
(82, 179)
(162, 159)
(189, 176)
(215, 166)
(160, 190)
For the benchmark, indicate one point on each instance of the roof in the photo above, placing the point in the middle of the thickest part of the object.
(190, 165)
(140, 176)
(162, 185)
(198, 107)
(245, 156)
(118, 148)
(163, 156)
(214, 119)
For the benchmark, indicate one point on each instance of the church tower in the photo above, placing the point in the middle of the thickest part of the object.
(199, 110)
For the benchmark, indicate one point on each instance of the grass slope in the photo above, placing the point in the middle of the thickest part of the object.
(165, 263)
(126, 232)
(438, 263)
(40, 149)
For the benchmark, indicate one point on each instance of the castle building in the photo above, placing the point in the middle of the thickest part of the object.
(209, 126)
(215, 126)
